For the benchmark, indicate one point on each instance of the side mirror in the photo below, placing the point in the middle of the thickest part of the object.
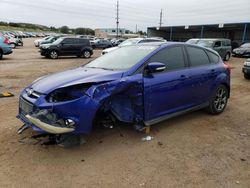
(155, 67)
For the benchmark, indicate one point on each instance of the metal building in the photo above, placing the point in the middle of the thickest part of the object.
(237, 32)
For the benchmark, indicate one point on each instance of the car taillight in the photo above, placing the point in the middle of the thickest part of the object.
(6, 41)
(227, 67)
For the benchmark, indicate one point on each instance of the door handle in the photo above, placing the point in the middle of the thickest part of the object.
(212, 71)
(184, 77)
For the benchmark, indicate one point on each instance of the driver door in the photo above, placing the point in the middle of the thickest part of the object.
(168, 91)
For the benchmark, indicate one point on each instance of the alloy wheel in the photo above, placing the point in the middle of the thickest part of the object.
(86, 54)
(220, 100)
(53, 54)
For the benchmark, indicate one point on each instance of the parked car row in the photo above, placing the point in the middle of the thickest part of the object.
(23, 34)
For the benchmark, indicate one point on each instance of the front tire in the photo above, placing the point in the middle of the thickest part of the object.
(86, 54)
(247, 76)
(53, 54)
(218, 101)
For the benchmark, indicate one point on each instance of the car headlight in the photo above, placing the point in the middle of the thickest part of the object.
(68, 93)
(247, 63)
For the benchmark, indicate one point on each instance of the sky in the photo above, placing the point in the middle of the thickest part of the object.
(143, 13)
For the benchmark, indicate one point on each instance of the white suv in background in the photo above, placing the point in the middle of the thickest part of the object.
(133, 41)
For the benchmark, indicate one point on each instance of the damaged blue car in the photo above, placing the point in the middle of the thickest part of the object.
(140, 85)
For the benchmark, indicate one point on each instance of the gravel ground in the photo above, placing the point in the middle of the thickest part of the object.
(193, 150)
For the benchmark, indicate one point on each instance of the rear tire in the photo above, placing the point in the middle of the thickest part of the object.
(53, 54)
(247, 76)
(13, 45)
(227, 57)
(218, 101)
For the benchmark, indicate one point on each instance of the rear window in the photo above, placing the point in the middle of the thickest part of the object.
(227, 43)
(69, 41)
(83, 41)
(197, 56)
(213, 57)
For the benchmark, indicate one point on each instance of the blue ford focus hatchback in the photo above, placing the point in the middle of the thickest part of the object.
(140, 85)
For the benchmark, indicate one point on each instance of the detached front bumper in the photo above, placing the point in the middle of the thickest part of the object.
(47, 127)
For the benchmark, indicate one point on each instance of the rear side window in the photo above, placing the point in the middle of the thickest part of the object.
(172, 57)
(226, 43)
(83, 41)
(197, 56)
(69, 41)
(217, 44)
(213, 57)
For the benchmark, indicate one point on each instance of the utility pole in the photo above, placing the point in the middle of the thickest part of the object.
(161, 19)
(136, 29)
(117, 19)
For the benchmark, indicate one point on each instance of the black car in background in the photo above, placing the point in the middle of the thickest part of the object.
(246, 69)
(242, 51)
(67, 46)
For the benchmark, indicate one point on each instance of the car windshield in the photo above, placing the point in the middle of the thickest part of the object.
(129, 42)
(122, 58)
(205, 43)
(246, 45)
(48, 38)
(58, 41)
(192, 41)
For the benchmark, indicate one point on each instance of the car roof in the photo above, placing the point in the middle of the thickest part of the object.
(211, 39)
(165, 44)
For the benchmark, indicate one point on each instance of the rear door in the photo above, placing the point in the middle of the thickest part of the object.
(67, 46)
(219, 48)
(169, 91)
(202, 73)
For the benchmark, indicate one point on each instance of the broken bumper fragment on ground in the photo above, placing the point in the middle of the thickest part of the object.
(6, 94)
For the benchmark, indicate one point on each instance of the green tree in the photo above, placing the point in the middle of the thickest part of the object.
(64, 29)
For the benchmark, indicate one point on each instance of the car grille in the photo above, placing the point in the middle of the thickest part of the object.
(25, 106)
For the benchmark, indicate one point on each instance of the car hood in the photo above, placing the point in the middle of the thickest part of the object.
(44, 46)
(76, 76)
(110, 49)
(241, 49)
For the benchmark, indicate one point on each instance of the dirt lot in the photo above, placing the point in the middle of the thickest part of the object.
(194, 150)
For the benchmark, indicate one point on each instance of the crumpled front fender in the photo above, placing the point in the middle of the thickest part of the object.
(123, 97)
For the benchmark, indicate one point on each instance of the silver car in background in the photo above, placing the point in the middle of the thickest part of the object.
(133, 41)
